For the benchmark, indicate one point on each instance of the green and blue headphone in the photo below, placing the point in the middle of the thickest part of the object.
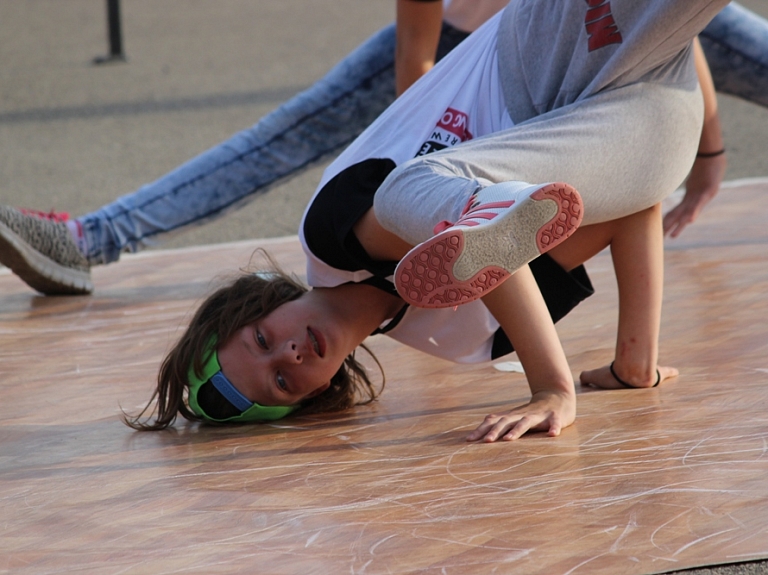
(249, 411)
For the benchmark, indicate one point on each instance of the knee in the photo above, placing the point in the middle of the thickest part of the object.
(647, 214)
(653, 212)
(398, 191)
(420, 193)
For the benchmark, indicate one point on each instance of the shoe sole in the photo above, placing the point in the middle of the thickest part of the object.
(461, 265)
(38, 271)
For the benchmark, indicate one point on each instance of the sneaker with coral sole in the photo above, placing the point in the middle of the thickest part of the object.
(497, 235)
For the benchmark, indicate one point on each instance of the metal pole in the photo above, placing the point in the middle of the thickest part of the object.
(115, 35)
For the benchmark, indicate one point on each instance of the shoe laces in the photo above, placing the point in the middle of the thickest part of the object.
(53, 216)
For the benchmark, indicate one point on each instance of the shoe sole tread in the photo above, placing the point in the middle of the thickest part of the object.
(462, 265)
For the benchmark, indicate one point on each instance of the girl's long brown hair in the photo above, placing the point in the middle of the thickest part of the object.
(245, 300)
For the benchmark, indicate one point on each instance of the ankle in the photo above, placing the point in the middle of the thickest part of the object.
(78, 235)
(630, 375)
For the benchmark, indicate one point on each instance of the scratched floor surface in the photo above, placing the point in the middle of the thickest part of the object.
(645, 482)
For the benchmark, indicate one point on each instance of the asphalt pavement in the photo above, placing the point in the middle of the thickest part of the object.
(74, 136)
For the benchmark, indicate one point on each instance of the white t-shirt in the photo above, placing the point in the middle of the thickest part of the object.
(458, 100)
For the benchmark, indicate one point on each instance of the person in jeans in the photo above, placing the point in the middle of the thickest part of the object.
(55, 257)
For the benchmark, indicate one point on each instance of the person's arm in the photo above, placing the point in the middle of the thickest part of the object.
(418, 32)
(709, 167)
(519, 307)
(637, 250)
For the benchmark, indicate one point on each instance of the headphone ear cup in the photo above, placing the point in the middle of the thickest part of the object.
(214, 404)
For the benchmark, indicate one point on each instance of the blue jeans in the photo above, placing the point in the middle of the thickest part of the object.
(304, 130)
(328, 116)
(736, 46)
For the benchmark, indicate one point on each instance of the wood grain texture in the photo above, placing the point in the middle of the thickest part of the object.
(645, 482)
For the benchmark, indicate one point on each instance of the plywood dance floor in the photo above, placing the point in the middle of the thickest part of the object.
(646, 481)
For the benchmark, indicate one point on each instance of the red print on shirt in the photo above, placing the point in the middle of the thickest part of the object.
(452, 129)
(601, 26)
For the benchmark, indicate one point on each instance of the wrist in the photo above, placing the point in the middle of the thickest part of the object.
(566, 392)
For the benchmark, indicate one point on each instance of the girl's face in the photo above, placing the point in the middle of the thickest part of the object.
(288, 356)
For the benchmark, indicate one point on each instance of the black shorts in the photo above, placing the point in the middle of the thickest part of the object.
(562, 292)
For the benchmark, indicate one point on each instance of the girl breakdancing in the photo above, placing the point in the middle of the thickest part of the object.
(601, 95)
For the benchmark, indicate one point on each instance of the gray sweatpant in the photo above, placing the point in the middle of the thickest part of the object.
(620, 122)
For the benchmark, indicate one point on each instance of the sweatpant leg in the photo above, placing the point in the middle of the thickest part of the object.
(624, 150)
(556, 52)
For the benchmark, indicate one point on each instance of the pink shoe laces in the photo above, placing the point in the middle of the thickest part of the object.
(53, 216)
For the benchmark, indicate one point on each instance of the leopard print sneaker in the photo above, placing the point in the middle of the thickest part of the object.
(43, 254)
